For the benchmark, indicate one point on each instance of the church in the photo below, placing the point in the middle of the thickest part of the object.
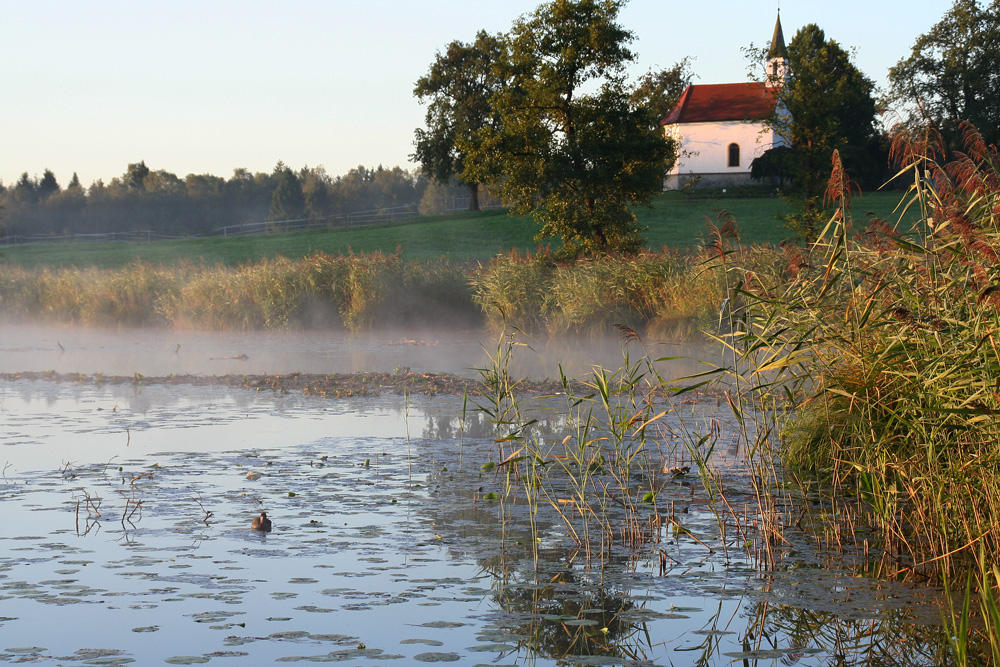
(718, 127)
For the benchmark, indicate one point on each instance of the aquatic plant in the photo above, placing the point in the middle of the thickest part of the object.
(609, 475)
(512, 290)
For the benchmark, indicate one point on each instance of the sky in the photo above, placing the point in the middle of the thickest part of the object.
(206, 86)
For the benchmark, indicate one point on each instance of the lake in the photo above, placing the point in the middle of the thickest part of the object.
(127, 511)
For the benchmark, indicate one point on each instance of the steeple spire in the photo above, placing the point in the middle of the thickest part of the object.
(777, 49)
(777, 57)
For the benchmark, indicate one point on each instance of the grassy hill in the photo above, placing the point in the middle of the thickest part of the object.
(673, 220)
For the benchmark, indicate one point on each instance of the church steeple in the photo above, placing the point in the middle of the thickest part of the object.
(777, 57)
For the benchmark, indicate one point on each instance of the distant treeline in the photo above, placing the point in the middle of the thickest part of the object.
(162, 202)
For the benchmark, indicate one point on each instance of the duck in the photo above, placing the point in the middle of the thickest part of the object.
(261, 523)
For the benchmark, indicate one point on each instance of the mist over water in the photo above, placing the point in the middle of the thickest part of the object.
(159, 352)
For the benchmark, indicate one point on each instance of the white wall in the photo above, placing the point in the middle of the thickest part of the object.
(704, 151)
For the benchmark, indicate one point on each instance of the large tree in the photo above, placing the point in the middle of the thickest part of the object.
(661, 89)
(953, 72)
(827, 104)
(457, 90)
(570, 148)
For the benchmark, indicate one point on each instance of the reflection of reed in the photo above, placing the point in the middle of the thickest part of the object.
(565, 615)
(92, 505)
(891, 639)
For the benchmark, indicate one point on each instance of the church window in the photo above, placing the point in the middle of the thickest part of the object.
(734, 155)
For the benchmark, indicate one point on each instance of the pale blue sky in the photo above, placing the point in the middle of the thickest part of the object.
(204, 86)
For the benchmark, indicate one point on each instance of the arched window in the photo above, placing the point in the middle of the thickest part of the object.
(734, 155)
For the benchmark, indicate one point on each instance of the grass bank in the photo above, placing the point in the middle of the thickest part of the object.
(674, 221)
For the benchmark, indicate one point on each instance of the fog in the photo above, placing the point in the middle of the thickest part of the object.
(159, 352)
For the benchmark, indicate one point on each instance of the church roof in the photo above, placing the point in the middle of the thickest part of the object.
(723, 101)
(777, 49)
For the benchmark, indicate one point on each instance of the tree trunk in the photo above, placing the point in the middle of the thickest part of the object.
(473, 196)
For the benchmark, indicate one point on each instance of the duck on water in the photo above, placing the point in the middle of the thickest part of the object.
(261, 523)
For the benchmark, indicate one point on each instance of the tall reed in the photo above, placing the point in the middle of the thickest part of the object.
(659, 293)
(881, 345)
(604, 475)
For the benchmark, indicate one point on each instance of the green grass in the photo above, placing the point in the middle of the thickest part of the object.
(672, 221)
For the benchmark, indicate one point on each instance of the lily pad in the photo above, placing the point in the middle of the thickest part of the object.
(589, 660)
(492, 648)
(291, 634)
(187, 660)
(437, 657)
(26, 649)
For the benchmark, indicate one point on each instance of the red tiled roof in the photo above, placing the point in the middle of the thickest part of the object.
(723, 101)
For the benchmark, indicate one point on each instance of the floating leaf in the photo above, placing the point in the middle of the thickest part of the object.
(591, 660)
(437, 657)
(291, 634)
(26, 649)
(442, 624)
(492, 648)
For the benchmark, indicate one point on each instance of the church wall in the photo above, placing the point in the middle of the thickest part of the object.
(704, 151)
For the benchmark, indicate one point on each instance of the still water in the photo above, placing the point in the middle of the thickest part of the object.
(159, 352)
(125, 539)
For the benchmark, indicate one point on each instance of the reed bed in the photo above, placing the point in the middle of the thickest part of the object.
(356, 292)
(870, 363)
(665, 293)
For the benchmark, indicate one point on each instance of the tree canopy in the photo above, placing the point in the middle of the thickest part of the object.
(287, 201)
(660, 90)
(953, 72)
(458, 89)
(571, 149)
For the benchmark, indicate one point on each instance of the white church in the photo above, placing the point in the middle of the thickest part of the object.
(718, 127)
